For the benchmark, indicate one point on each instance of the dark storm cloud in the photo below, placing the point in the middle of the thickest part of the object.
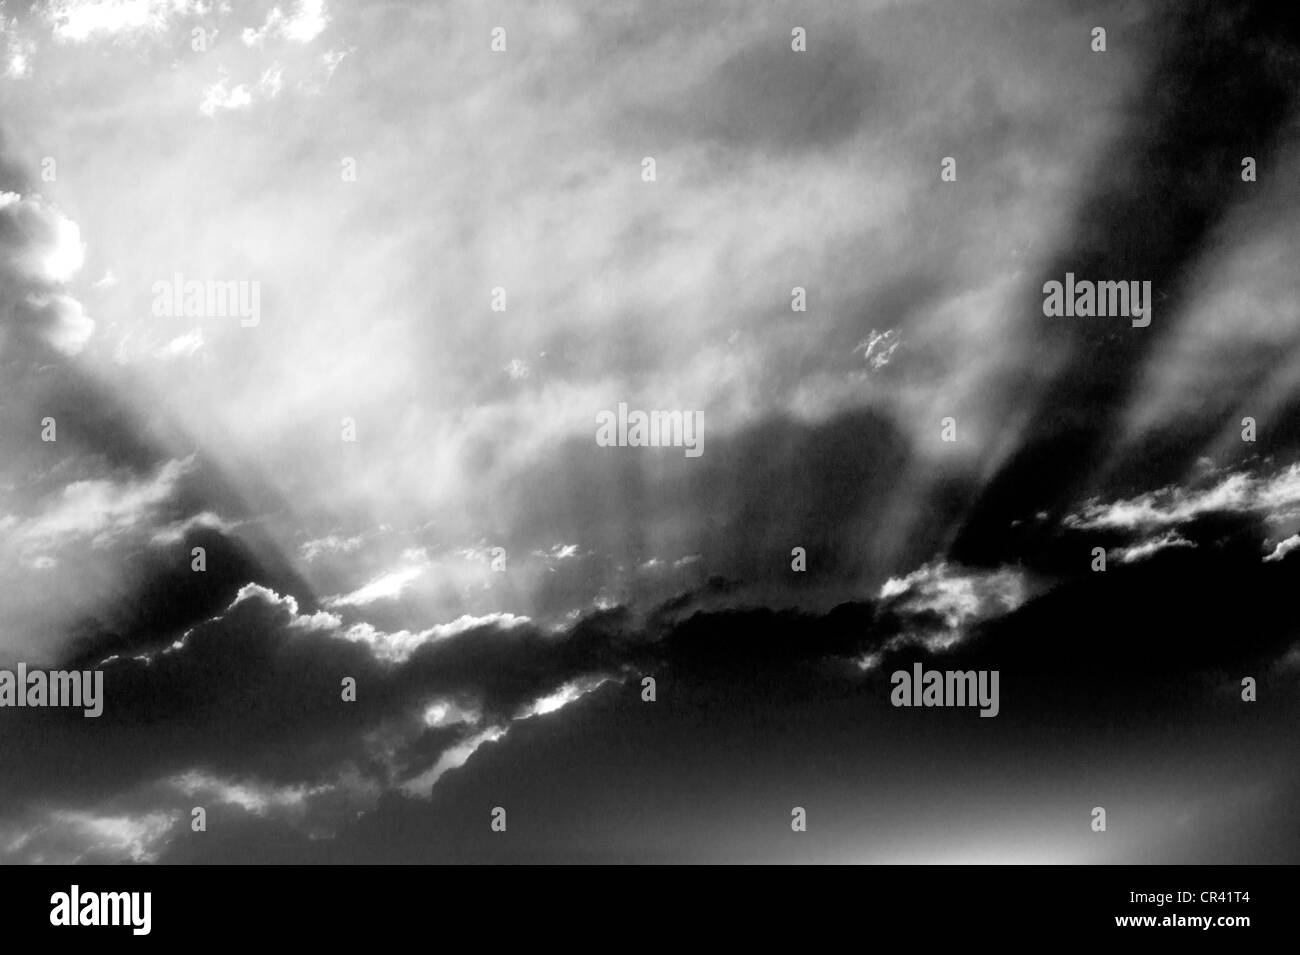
(255, 693)
(1130, 631)
(1109, 683)
(1223, 86)
(166, 596)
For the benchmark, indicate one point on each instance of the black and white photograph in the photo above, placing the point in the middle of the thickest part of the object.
(650, 432)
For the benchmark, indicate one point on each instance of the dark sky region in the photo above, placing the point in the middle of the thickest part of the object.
(520, 687)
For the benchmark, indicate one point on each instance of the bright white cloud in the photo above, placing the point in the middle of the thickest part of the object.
(1277, 497)
(101, 509)
(450, 712)
(317, 621)
(183, 346)
(307, 21)
(562, 697)
(52, 250)
(453, 758)
(221, 96)
(398, 646)
(612, 286)
(137, 839)
(175, 532)
(1149, 547)
(958, 597)
(388, 586)
(78, 21)
(1284, 547)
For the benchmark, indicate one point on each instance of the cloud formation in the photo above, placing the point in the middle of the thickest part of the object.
(496, 584)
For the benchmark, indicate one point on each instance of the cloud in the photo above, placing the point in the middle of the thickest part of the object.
(307, 21)
(562, 697)
(80, 21)
(387, 586)
(450, 712)
(134, 839)
(954, 597)
(40, 250)
(41, 243)
(878, 347)
(183, 346)
(1284, 547)
(73, 837)
(18, 49)
(221, 96)
(429, 715)
(102, 509)
(320, 620)
(178, 531)
(331, 59)
(64, 323)
(331, 544)
(671, 295)
(1149, 547)
(398, 646)
(1078, 378)
(262, 636)
(452, 758)
(272, 81)
(645, 301)
(1275, 496)
(253, 796)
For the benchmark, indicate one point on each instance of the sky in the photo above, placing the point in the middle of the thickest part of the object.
(393, 472)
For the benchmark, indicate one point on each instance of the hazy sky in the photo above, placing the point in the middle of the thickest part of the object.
(379, 170)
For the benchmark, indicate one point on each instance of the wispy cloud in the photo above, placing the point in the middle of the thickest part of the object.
(1149, 547)
(388, 586)
(1276, 496)
(102, 509)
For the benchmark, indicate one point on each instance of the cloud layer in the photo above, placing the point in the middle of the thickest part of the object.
(393, 479)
